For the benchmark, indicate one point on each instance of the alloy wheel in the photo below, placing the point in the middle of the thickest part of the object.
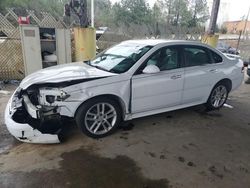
(219, 96)
(100, 118)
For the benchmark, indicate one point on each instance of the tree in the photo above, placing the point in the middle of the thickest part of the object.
(125, 13)
(223, 29)
(181, 14)
(132, 11)
(51, 6)
(156, 13)
(184, 12)
(200, 12)
(102, 9)
(119, 14)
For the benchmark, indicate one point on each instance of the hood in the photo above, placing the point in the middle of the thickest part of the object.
(62, 73)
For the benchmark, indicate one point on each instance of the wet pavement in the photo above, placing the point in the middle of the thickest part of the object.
(183, 148)
(82, 168)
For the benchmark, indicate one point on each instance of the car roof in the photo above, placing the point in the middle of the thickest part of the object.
(151, 42)
(154, 42)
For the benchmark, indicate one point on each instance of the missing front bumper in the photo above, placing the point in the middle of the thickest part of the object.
(25, 132)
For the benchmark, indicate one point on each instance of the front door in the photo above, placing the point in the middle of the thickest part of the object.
(162, 89)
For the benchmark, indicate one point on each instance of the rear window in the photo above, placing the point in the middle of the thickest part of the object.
(195, 56)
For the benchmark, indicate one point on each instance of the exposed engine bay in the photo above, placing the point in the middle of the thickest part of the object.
(39, 107)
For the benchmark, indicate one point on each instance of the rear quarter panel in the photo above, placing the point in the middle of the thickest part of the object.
(234, 71)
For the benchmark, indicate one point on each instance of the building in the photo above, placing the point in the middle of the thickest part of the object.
(223, 14)
(236, 26)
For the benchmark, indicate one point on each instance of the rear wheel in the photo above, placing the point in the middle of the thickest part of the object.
(98, 117)
(218, 96)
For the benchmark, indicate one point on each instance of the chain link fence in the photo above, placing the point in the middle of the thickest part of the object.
(121, 32)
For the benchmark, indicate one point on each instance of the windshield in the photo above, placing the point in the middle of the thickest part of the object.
(120, 58)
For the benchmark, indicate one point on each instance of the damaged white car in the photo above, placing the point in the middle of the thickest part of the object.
(132, 79)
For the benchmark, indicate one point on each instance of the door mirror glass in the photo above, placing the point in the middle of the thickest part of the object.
(151, 69)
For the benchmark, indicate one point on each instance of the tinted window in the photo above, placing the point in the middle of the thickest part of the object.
(165, 58)
(216, 57)
(195, 56)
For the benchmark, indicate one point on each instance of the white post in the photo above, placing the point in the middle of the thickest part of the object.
(92, 14)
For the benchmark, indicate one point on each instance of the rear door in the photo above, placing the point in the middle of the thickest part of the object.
(201, 73)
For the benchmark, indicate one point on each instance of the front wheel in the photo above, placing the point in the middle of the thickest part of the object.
(218, 97)
(98, 117)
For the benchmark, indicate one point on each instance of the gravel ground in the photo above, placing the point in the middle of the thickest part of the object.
(183, 148)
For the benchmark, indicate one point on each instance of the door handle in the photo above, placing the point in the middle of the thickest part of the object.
(213, 70)
(174, 77)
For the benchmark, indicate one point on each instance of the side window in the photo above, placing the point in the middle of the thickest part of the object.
(165, 59)
(216, 57)
(195, 56)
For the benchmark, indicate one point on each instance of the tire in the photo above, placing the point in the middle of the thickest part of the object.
(218, 96)
(93, 122)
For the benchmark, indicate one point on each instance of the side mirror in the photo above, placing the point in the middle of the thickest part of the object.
(151, 69)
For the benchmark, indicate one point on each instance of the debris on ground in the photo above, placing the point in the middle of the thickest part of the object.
(4, 92)
(228, 106)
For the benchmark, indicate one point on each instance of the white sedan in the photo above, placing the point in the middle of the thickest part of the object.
(130, 80)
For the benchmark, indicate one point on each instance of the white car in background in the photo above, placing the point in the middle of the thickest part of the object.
(130, 80)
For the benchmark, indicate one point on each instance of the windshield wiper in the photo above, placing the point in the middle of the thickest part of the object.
(87, 62)
(96, 66)
(99, 67)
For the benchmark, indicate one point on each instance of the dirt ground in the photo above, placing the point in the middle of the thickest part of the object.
(185, 148)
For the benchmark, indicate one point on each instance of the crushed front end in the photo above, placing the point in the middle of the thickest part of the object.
(33, 115)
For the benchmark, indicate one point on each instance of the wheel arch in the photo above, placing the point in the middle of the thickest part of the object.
(227, 82)
(113, 97)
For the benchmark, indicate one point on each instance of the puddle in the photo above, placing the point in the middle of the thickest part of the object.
(82, 168)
